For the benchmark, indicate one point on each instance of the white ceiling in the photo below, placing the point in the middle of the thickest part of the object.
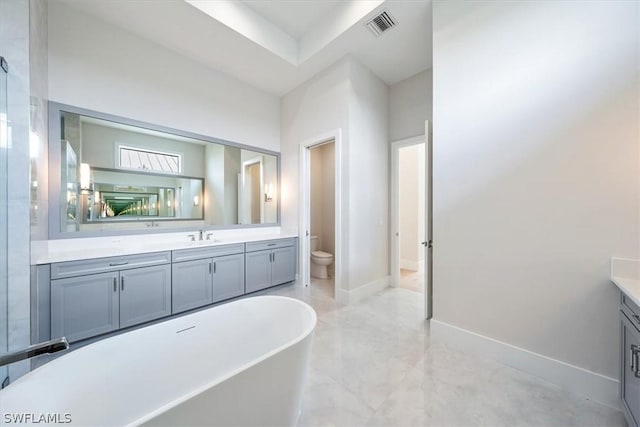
(294, 17)
(275, 45)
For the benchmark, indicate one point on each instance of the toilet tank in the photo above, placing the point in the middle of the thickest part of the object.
(314, 243)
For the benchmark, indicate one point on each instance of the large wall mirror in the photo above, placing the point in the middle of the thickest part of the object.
(110, 175)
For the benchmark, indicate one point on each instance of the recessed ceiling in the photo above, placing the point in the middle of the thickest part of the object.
(294, 17)
(278, 44)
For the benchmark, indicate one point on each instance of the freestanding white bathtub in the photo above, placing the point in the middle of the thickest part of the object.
(241, 363)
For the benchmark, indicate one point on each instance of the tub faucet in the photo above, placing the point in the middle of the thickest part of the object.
(47, 347)
(201, 235)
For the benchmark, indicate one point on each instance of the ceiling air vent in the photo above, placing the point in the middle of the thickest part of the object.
(381, 23)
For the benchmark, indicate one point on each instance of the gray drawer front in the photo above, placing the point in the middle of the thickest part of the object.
(102, 265)
(270, 244)
(206, 252)
(630, 308)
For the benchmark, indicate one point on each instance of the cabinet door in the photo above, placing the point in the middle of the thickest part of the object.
(145, 294)
(191, 284)
(257, 270)
(84, 306)
(228, 277)
(630, 381)
(283, 265)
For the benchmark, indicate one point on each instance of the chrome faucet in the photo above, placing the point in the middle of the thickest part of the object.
(204, 235)
(47, 347)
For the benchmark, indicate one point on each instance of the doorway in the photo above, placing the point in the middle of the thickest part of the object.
(252, 207)
(320, 214)
(411, 228)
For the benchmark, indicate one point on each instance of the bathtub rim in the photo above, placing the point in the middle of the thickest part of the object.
(302, 336)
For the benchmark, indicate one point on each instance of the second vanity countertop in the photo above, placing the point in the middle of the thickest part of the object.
(50, 251)
(625, 274)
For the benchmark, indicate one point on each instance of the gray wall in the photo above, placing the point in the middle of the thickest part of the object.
(536, 171)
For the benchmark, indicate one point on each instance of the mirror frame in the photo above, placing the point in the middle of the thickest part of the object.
(55, 162)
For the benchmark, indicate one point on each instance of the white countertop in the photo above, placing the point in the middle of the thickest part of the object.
(625, 274)
(49, 251)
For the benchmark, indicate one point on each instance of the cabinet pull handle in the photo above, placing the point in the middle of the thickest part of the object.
(115, 284)
(636, 318)
(209, 267)
(214, 267)
(635, 350)
(271, 244)
(274, 257)
(122, 283)
(115, 264)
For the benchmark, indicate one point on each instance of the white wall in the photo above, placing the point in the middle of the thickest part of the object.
(368, 177)
(348, 97)
(536, 171)
(100, 67)
(410, 104)
(316, 107)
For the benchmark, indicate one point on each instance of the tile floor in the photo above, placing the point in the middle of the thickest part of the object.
(411, 280)
(373, 364)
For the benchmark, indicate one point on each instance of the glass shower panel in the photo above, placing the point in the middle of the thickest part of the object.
(4, 144)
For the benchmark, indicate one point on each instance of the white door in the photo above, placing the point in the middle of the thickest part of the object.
(305, 214)
(428, 227)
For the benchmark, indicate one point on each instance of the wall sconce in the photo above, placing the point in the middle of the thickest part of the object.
(196, 201)
(268, 192)
(85, 178)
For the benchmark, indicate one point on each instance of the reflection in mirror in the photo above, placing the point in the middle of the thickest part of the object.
(113, 173)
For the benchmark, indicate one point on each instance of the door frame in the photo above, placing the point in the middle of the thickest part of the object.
(395, 215)
(334, 136)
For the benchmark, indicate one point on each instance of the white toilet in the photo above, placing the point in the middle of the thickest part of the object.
(319, 260)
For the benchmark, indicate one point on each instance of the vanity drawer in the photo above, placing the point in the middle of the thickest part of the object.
(269, 244)
(630, 308)
(102, 265)
(206, 252)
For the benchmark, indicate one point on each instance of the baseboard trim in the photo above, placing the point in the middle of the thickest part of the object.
(407, 264)
(592, 385)
(354, 295)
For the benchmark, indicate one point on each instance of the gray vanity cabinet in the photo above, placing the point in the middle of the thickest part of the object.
(283, 268)
(630, 360)
(191, 285)
(92, 297)
(145, 294)
(228, 277)
(84, 306)
(257, 270)
(205, 275)
(269, 263)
